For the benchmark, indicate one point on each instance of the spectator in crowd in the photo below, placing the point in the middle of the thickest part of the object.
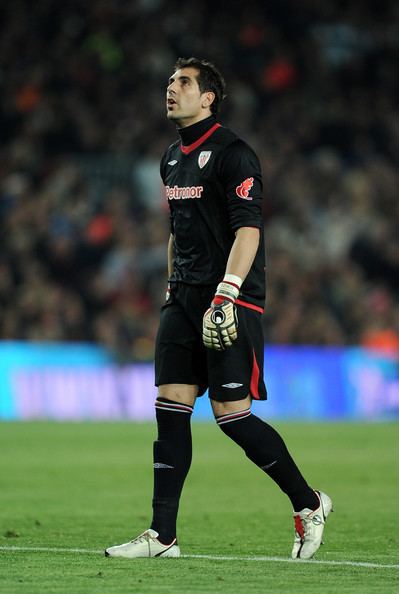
(314, 89)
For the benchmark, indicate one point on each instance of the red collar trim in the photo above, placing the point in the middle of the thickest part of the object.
(191, 147)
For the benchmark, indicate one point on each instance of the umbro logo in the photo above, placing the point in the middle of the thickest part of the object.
(172, 162)
(162, 465)
(267, 466)
(232, 385)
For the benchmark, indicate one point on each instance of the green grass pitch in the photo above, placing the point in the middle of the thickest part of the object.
(66, 486)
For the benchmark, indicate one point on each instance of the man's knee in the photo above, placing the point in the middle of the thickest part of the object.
(227, 408)
(183, 393)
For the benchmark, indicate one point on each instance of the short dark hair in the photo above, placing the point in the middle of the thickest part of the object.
(209, 79)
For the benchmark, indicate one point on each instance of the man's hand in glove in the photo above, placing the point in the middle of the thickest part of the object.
(220, 322)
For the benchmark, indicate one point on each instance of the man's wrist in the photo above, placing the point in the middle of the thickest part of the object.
(228, 289)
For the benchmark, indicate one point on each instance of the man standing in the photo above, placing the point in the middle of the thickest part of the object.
(210, 333)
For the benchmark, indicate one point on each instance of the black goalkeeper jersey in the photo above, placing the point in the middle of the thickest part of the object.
(213, 187)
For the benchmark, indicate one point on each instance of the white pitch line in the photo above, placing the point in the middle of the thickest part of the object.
(365, 564)
(295, 561)
(50, 550)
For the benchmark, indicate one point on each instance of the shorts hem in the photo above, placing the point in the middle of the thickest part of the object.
(201, 388)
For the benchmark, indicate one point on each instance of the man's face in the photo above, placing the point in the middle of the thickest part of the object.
(185, 104)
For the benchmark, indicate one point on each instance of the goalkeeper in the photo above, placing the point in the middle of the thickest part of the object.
(210, 333)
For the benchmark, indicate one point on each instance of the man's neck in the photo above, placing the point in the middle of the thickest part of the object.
(190, 134)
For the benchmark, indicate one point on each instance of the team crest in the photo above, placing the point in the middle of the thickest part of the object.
(203, 158)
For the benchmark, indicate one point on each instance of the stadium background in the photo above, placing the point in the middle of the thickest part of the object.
(313, 86)
(83, 221)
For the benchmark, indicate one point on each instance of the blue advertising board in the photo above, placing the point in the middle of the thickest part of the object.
(81, 381)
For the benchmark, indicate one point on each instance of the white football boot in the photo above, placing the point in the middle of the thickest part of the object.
(145, 545)
(309, 526)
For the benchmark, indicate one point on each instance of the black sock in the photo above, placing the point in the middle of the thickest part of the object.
(264, 446)
(172, 459)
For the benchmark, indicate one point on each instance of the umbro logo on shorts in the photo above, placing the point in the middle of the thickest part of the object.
(232, 385)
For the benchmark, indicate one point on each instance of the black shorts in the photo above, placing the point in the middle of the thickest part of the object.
(181, 357)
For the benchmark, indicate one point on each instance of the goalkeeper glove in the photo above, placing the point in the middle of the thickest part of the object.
(220, 322)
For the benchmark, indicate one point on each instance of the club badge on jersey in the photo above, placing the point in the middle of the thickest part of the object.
(203, 158)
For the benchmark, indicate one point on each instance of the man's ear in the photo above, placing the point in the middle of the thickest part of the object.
(208, 99)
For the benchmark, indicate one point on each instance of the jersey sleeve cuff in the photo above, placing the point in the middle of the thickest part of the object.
(255, 224)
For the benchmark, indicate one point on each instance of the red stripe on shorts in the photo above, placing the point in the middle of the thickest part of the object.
(254, 386)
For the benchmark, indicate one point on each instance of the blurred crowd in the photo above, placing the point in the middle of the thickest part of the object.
(312, 86)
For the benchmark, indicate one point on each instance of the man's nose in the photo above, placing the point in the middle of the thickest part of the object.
(171, 86)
